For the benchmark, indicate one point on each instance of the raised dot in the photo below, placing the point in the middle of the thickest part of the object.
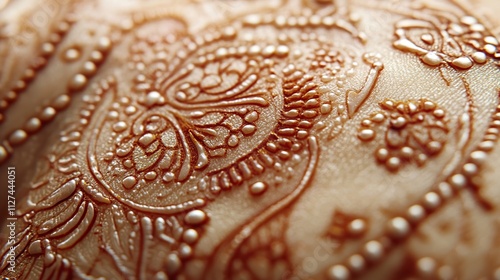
(357, 227)
(426, 266)
(382, 154)
(416, 213)
(77, 82)
(462, 62)
(432, 59)
(445, 190)
(338, 272)
(185, 251)
(17, 137)
(258, 188)
(89, 68)
(470, 169)
(129, 182)
(152, 98)
(407, 152)
(490, 49)
(252, 117)
(478, 157)
(398, 227)
(357, 263)
(104, 44)
(458, 181)
(3, 154)
(147, 139)
(282, 50)
(325, 109)
(431, 201)
(468, 20)
(268, 50)
(196, 217)
(373, 250)
(393, 163)
(366, 135)
(151, 175)
(71, 54)
(33, 125)
(119, 126)
(487, 145)
(190, 236)
(47, 49)
(61, 102)
(248, 129)
(438, 113)
(96, 56)
(173, 264)
(47, 114)
(233, 141)
(479, 57)
(490, 40)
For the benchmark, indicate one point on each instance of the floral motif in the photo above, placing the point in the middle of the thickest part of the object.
(446, 38)
(413, 131)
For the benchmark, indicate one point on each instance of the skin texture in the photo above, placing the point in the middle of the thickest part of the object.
(251, 140)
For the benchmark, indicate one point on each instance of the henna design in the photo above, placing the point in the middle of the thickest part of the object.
(439, 37)
(193, 120)
(416, 130)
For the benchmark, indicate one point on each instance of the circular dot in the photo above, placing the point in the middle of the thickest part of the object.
(487, 145)
(47, 49)
(357, 227)
(470, 169)
(173, 264)
(89, 68)
(458, 181)
(258, 188)
(478, 157)
(3, 154)
(61, 102)
(33, 125)
(18, 137)
(338, 272)
(416, 213)
(151, 175)
(96, 56)
(357, 263)
(382, 154)
(119, 126)
(445, 190)
(393, 163)
(152, 98)
(185, 251)
(129, 182)
(47, 114)
(373, 250)
(190, 236)
(431, 200)
(77, 82)
(426, 266)
(445, 272)
(398, 227)
(366, 134)
(71, 54)
(104, 44)
(248, 129)
(196, 217)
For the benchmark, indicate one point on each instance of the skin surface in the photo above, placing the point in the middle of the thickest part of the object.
(250, 139)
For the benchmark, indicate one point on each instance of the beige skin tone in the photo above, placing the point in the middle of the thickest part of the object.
(199, 152)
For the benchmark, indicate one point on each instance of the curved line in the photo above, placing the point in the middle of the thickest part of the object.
(94, 169)
(226, 251)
